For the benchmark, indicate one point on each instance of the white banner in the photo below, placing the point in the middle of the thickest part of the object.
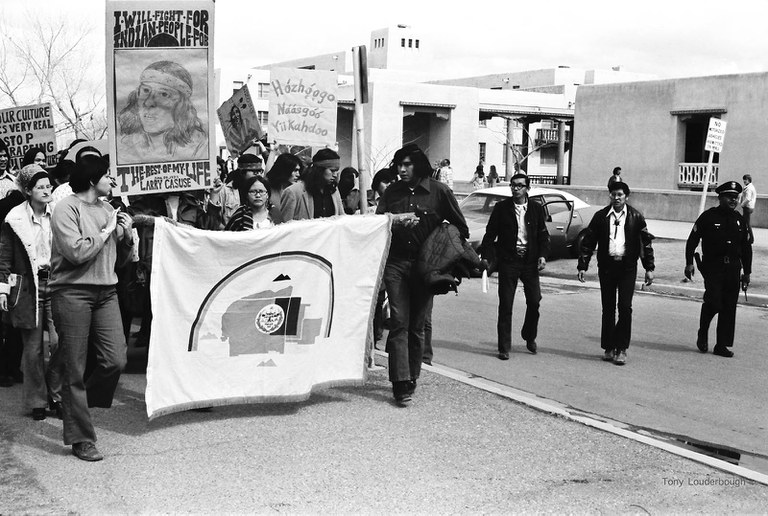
(264, 315)
(302, 107)
(160, 99)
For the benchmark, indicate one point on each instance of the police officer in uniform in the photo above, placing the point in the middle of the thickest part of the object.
(726, 249)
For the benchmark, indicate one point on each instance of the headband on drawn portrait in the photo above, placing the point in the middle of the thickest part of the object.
(166, 79)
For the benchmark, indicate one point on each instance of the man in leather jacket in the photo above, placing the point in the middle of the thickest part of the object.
(621, 236)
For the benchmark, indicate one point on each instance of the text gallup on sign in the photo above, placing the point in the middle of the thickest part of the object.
(715, 135)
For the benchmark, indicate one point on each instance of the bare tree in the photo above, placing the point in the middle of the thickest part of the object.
(49, 62)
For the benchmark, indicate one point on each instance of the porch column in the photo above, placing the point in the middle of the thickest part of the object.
(509, 168)
(560, 152)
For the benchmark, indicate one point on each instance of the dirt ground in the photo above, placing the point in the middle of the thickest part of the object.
(670, 262)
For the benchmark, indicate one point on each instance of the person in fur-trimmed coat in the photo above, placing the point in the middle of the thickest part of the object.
(25, 258)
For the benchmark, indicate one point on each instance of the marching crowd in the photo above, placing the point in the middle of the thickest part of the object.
(75, 262)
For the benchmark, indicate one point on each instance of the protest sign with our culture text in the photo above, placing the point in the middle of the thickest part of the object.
(25, 127)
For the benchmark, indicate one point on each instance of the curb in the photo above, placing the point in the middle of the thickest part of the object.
(664, 289)
(558, 409)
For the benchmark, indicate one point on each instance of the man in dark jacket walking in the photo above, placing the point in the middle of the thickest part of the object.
(517, 237)
(621, 235)
(725, 243)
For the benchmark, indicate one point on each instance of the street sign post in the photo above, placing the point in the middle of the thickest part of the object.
(714, 143)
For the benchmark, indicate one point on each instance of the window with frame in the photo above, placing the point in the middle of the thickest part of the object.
(482, 151)
(236, 85)
(548, 156)
(263, 117)
(263, 90)
(402, 42)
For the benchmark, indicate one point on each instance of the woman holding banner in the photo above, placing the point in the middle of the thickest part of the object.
(257, 211)
(90, 238)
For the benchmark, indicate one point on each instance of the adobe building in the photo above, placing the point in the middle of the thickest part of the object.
(656, 130)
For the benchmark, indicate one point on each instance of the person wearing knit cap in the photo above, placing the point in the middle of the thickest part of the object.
(315, 195)
(726, 265)
(160, 122)
(25, 261)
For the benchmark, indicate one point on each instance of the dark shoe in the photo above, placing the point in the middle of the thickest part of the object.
(86, 451)
(411, 387)
(402, 392)
(722, 352)
(503, 356)
(57, 409)
(609, 355)
(38, 414)
(702, 345)
(621, 358)
(427, 361)
(531, 345)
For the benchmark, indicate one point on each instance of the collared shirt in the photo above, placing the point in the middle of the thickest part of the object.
(7, 183)
(617, 239)
(749, 196)
(41, 235)
(522, 230)
(428, 195)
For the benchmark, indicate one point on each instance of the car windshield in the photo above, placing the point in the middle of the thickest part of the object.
(479, 206)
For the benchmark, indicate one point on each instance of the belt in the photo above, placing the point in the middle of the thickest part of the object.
(43, 274)
(616, 258)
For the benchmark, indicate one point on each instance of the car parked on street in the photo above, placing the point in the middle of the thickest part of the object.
(567, 216)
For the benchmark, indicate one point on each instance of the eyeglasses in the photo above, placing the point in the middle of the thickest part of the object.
(257, 192)
(516, 186)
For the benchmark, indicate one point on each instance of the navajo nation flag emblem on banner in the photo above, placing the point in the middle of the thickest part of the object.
(261, 316)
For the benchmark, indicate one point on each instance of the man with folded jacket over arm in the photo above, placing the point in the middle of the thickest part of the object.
(409, 299)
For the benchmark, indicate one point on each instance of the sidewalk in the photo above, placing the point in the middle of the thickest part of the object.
(674, 230)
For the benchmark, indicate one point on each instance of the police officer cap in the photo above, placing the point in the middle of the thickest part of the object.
(619, 185)
(729, 187)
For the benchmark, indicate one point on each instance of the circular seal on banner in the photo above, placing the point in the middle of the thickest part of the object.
(270, 318)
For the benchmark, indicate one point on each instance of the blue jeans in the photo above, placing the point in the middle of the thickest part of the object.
(80, 311)
(40, 381)
(409, 302)
(510, 270)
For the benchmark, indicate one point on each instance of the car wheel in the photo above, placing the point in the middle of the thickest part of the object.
(577, 244)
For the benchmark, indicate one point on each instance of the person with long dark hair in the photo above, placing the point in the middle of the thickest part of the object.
(286, 170)
(316, 194)
(34, 155)
(159, 121)
(409, 299)
(256, 211)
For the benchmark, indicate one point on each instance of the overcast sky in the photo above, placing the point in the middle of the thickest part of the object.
(668, 38)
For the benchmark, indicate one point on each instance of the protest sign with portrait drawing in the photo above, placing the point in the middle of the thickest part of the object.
(239, 121)
(160, 71)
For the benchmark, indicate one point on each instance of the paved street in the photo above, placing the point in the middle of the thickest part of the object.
(667, 385)
(457, 449)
